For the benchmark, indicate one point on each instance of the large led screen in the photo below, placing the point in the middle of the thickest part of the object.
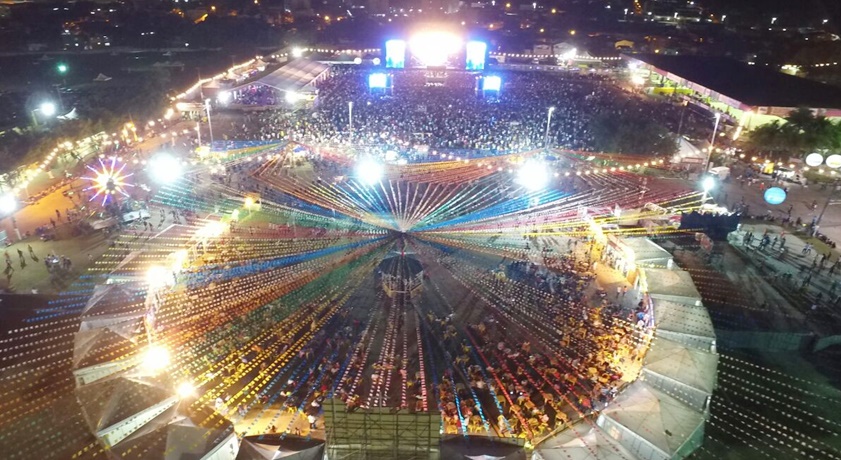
(395, 54)
(476, 52)
(491, 83)
(377, 81)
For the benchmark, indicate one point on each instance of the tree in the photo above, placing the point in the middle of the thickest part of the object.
(800, 133)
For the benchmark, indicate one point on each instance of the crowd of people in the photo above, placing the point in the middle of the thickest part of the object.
(447, 111)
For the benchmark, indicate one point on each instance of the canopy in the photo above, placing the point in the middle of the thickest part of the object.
(582, 442)
(688, 324)
(672, 285)
(481, 448)
(660, 420)
(681, 370)
(294, 76)
(276, 446)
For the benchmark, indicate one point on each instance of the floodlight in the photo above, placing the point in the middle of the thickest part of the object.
(533, 175)
(434, 48)
(165, 168)
(708, 183)
(224, 97)
(8, 203)
(369, 171)
(376, 61)
(297, 52)
(292, 97)
(158, 277)
(357, 60)
(186, 390)
(47, 109)
(155, 359)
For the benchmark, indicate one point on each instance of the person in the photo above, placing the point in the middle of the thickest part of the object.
(311, 419)
(31, 252)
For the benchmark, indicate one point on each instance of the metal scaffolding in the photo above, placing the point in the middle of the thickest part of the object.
(381, 433)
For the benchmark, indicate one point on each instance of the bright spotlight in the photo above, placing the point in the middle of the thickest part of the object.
(292, 97)
(165, 168)
(185, 390)
(158, 277)
(376, 61)
(357, 60)
(224, 97)
(369, 172)
(8, 203)
(48, 109)
(533, 175)
(297, 52)
(708, 183)
(155, 359)
(434, 48)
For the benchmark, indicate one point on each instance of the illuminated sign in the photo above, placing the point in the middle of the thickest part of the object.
(491, 83)
(378, 81)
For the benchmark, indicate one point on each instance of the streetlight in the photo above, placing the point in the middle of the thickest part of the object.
(165, 168)
(773, 20)
(62, 68)
(533, 175)
(209, 124)
(723, 17)
(548, 123)
(626, 14)
(712, 142)
(350, 118)
(707, 184)
(8, 204)
(47, 109)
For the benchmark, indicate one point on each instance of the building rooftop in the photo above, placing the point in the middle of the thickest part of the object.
(752, 85)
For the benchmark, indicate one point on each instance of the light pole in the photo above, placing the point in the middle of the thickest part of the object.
(626, 14)
(350, 118)
(707, 184)
(548, 123)
(47, 109)
(209, 124)
(712, 142)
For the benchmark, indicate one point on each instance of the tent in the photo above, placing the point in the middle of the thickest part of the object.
(481, 448)
(276, 446)
(684, 372)
(672, 285)
(652, 424)
(581, 442)
(688, 324)
(299, 75)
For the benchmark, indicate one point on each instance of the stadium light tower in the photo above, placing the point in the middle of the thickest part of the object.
(548, 123)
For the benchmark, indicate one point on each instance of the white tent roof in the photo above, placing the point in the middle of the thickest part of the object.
(689, 366)
(582, 443)
(661, 420)
(683, 319)
(294, 76)
(674, 285)
(646, 251)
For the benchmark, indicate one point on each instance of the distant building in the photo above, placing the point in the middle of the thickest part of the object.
(749, 95)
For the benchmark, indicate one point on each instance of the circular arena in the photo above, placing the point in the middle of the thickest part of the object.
(423, 270)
